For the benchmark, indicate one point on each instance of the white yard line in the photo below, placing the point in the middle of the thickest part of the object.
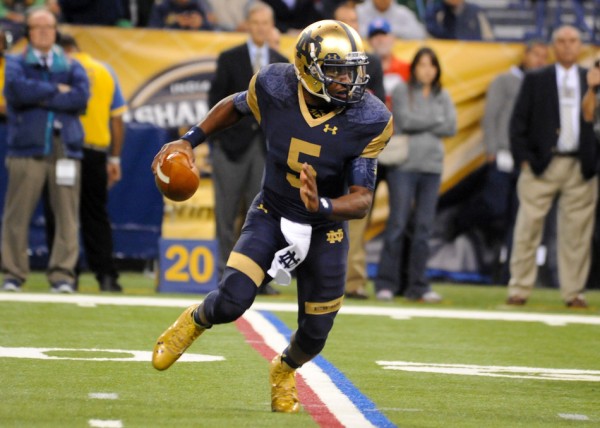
(393, 312)
(495, 371)
(120, 355)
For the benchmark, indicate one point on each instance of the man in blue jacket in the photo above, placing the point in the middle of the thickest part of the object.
(45, 93)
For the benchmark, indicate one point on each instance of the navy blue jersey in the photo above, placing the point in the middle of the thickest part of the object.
(328, 143)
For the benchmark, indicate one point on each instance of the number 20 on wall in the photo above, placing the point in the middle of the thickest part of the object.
(187, 266)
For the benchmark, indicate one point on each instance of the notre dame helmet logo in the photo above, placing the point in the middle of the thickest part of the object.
(303, 48)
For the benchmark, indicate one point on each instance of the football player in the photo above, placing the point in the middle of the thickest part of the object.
(324, 133)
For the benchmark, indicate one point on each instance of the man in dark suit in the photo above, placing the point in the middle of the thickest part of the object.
(238, 154)
(558, 155)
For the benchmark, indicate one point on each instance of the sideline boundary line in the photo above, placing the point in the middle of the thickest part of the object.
(399, 313)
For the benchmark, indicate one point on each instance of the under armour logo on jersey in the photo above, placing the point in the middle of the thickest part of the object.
(262, 208)
(288, 260)
(334, 236)
(327, 129)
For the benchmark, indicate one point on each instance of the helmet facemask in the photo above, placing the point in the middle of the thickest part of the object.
(349, 73)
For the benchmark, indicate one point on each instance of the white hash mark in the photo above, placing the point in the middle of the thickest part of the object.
(103, 395)
(101, 423)
(574, 416)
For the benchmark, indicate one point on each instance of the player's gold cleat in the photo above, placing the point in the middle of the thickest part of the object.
(176, 339)
(284, 396)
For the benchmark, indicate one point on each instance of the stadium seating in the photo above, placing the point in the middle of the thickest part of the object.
(515, 20)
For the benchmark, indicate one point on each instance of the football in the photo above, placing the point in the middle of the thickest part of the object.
(175, 179)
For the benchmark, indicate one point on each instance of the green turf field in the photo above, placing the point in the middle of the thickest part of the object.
(234, 392)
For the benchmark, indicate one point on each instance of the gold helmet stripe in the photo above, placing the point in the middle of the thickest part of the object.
(346, 28)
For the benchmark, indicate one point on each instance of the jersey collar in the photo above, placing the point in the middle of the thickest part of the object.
(314, 121)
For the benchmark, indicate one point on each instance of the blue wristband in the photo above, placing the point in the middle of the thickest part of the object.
(325, 206)
(195, 136)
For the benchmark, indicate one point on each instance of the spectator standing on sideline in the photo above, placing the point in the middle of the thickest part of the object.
(238, 153)
(405, 24)
(395, 71)
(179, 15)
(495, 205)
(45, 93)
(425, 112)
(324, 135)
(558, 155)
(101, 164)
(458, 20)
(356, 279)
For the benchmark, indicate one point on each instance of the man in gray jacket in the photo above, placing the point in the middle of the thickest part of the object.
(493, 207)
(501, 97)
(499, 188)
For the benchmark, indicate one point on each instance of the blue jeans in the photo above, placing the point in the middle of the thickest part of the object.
(413, 193)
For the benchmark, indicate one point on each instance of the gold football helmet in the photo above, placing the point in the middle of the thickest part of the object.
(330, 52)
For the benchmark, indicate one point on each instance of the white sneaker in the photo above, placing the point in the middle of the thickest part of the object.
(11, 286)
(62, 287)
(431, 297)
(385, 295)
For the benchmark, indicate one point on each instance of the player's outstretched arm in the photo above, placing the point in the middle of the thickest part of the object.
(354, 205)
(221, 116)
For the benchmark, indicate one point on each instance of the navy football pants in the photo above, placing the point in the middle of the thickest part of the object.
(320, 278)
